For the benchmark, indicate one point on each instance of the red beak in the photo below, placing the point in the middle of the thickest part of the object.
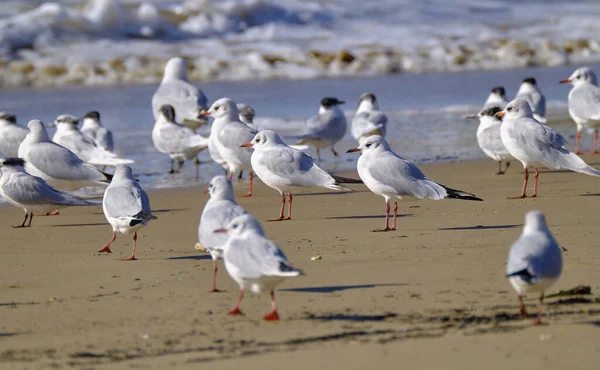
(565, 81)
(205, 191)
(499, 114)
(204, 114)
(353, 150)
(221, 230)
(246, 145)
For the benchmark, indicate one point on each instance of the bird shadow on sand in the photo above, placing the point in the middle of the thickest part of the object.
(590, 195)
(156, 210)
(194, 257)
(360, 217)
(330, 193)
(335, 288)
(346, 317)
(480, 227)
(79, 225)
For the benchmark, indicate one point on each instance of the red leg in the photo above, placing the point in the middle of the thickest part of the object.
(281, 211)
(53, 213)
(289, 216)
(236, 310)
(595, 141)
(535, 183)
(273, 316)
(522, 311)
(106, 247)
(387, 218)
(538, 320)
(230, 175)
(577, 137)
(132, 258)
(214, 283)
(250, 177)
(395, 214)
(523, 195)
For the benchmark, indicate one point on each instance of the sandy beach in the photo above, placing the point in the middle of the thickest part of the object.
(431, 295)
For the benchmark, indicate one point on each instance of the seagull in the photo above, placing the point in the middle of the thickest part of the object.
(254, 262)
(176, 91)
(535, 144)
(534, 261)
(227, 134)
(284, 168)
(327, 128)
(32, 193)
(368, 120)
(178, 141)
(219, 210)
(387, 174)
(11, 134)
(57, 165)
(68, 135)
(126, 207)
(584, 103)
(93, 128)
(497, 98)
(530, 92)
(246, 114)
(489, 140)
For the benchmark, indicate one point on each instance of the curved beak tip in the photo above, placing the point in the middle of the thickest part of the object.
(204, 114)
(353, 150)
(246, 145)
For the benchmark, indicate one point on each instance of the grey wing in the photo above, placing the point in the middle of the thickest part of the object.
(183, 96)
(123, 201)
(216, 218)
(295, 166)
(60, 163)
(538, 254)
(175, 137)
(325, 126)
(26, 189)
(585, 103)
(105, 139)
(540, 104)
(255, 256)
(13, 136)
(236, 134)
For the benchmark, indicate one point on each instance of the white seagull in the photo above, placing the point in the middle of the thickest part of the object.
(534, 261)
(254, 262)
(326, 128)
(284, 168)
(59, 166)
(497, 98)
(93, 128)
(176, 91)
(489, 140)
(175, 140)
(530, 92)
(126, 207)
(31, 193)
(11, 134)
(68, 135)
(536, 145)
(387, 174)
(368, 120)
(584, 103)
(246, 114)
(218, 211)
(227, 134)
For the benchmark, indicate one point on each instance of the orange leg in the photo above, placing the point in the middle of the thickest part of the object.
(523, 310)
(106, 247)
(289, 216)
(523, 194)
(236, 310)
(538, 320)
(387, 219)
(395, 214)
(281, 218)
(132, 258)
(272, 316)
(577, 137)
(214, 283)
(250, 177)
(535, 183)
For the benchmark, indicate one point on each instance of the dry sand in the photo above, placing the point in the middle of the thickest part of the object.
(431, 295)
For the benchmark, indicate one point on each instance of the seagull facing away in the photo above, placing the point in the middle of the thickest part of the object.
(530, 92)
(536, 145)
(11, 134)
(176, 91)
(126, 207)
(584, 103)
(497, 98)
(254, 262)
(219, 210)
(387, 174)
(489, 140)
(31, 193)
(57, 165)
(326, 128)
(93, 128)
(534, 261)
(227, 134)
(68, 135)
(178, 141)
(368, 120)
(284, 168)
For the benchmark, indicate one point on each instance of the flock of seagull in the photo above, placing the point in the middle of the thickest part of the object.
(38, 172)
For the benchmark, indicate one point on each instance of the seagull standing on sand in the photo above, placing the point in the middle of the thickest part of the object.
(530, 92)
(534, 261)
(326, 128)
(584, 103)
(126, 207)
(368, 120)
(32, 193)
(254, 262)
(93, 128)
(227, 134)
(176, 91)
(387, 174)
(535, 144)
(219, 210)
(178, 141)
(283, 169)
(489, 140)
(11, 134)
(59, 166)
(68, 135)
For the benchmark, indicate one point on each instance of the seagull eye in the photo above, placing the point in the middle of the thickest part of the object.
(368, 145)
(235, 226)
(216, 108)
(509, 109)
(578, 77)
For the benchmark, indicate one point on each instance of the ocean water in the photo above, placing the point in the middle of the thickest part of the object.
(108, 42)
(425, 112)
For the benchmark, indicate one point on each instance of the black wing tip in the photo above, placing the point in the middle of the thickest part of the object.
(459, 194)
(523, 274)
(135, 222)
(346, 180)
(287, 268)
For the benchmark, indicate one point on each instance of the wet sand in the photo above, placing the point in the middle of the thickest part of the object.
(431, 295)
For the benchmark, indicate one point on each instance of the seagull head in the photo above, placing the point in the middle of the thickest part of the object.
(263, 139)
(240, 225)
(65, 121)
(246, 113)
(580, 76)
(220, 188)
(175, 69)
(330, 102)
(489, 114)
(516, 109)
(535, 221)
(8, 118)
(123, 172)
(222, 108)
(371, 144)
(36, 131)
(92, 116)
(167, 112)
(499, 91)
(367, 102)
